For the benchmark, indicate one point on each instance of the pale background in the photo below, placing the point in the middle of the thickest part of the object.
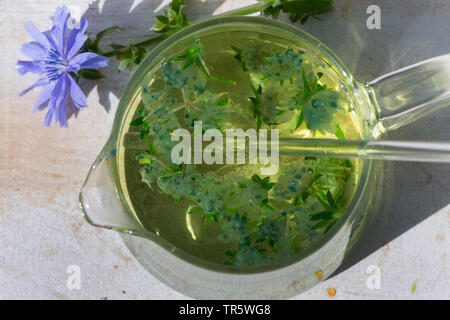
(41, 169)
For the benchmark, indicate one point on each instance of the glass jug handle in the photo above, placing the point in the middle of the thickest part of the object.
(410, 93)
(99, 200)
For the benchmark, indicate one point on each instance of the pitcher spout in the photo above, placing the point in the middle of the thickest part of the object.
(99, 199)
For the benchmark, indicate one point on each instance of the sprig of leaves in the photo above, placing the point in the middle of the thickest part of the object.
(174, 18)
(256, 100)
(298, 10)
(134, 56)
(238, 57)
(264, 183)
(194, 55)
(310, 87)
(330, 216)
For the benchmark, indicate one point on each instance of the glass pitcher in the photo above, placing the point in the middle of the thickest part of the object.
(384, 104)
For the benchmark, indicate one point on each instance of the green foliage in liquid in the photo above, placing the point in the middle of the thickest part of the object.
(229, 214)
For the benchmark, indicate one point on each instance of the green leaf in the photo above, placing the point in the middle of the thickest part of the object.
(75, 76)
(242, 185)
(264, 183)
(104, 33)
(340, 133)
(256, 178)
(222, 102)
(145, 161)
(159, 26)
(137, 122)
(256, 92)
(320, 224)
(323, 203)
(91, 74)
(116, 46)
(193, 210)
(223, 80)
(163, 19)
(144, 131)
(305, 196)
(306, 84)
(231, 253)
(267, 206)
(305, 6)
(324, 215)
(269, 185)
(296, 200)
(124, 64)
(208, 218)
(255, 102)
(238, 50)
(299, 120)
(298, 10)
(331, 200)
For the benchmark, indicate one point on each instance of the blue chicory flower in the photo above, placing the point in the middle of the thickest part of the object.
(53, 59)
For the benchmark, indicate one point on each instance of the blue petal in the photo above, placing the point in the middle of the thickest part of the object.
(76, 39)
(88, 60)
(61, 116)
(30, 66)
(51, 41)
(78, 97)
(34, 50)
(57, 106)
(37, 35)
(58, 31)
(48, 117)
(39, 83)
(44, 97)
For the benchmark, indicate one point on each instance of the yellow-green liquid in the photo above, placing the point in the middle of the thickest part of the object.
(169, 218)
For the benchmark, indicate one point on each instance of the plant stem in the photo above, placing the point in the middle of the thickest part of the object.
(145, 44)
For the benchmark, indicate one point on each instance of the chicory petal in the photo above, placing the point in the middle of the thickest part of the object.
(78, 97)
(58, 31)
(34, 50)
(88, 60)
(44, 97)
(76, 39)
(37, 35)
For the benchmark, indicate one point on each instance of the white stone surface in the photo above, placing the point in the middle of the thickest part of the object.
(41, 169)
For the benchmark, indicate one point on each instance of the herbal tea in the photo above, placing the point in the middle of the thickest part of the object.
(232, 214)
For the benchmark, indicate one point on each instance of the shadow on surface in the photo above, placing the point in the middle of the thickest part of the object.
(411, 32)
(136, 18)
